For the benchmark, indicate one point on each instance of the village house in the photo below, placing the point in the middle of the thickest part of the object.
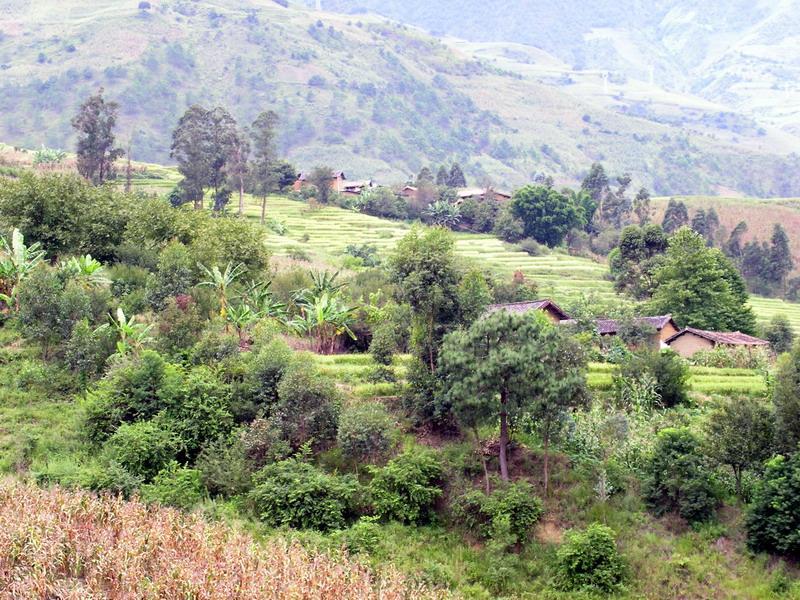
(664, 327)
(691, 340)
(548, 307)
(337, 181)
(479, 194)
(354, 188)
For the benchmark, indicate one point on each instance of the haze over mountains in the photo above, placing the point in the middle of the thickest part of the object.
(689, 98)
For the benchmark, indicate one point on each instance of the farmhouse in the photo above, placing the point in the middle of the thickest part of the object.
(663, 325)
(547, 306)
(482, 193)
(690, 340)
(337, 181)
(354, 188)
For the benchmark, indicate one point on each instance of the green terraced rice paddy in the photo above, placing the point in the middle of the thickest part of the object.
(559, 276)
(352, 370)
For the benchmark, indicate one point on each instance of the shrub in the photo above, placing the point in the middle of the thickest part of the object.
(224, 468)
(362, 536)
(87, 349)
(262, 442)
(384, 343)
(367, 253)
(531, 247)
(258, 392)
(407, 487)
(677, 478)
(507, 227)
(110, 476)
(175, 486)
(779, 334)
(179, 327)
(214, 347)
(365, 432)
(732, 358)
(773, 521)
(296, 494)
(174, 276)
(142, 448)
(512, 507)
(670, 372)
(589, 561)
(308, 407)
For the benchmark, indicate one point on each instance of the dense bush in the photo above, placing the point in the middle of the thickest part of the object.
(88, 348)
(588, 561)
(142, 448)
(407, 488)
(175, 486)
(669, 371)
(179, 327)
(174, 276)
(258, 392)
(362, 536)
(514, 504)
(773, 521)
(296, 494)
(365, 432)
(308, 407)
(732, 358)
(677, 478)
(224, 467)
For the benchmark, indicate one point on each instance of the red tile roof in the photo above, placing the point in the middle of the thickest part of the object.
(729, 338)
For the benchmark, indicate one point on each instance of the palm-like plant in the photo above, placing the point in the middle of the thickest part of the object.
(241, 316)
(323, 317)
(258, 295)
(443, 213)
(221, 282)
(87, 270)
(16, 261)
(133, 336)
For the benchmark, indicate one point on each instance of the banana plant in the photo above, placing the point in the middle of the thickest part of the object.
(133, 336)
(87, 270)
(241, 316)
(221, 282)
(258, 295)
(16, 261)
(325, 318)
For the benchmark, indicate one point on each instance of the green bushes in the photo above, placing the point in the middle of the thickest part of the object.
(175, 486)
(142, 448)
(512, 508)
(296, 494)
(668, 370)
(588, 561)
(773, 522)
(307, 410)
(677, 479)
(365, 432)
(407, 487)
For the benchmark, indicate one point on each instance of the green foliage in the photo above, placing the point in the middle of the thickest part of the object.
(740, 434)
(214, 347)
(407, 488)
(383, 345)
(142, 448)
(365, 432)
(474, 296)
(779, 334)
(508, 227)
(515, 503)
(111, 477)
(175, 486)
(588, 561)
(634, 262)
(773, 521)
(547, 215)
(669, 372)
(786, 399)
(676, 216)
(677, 478)
(736, 357)
(87, 349)
(94, 125)
(307, 410)
(700, 287)
(224, 468)
(174, 275)
(258, 391)
(179, 327)
(363, 536)
(66, 214)
(294, 493)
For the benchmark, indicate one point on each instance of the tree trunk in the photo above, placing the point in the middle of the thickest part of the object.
(263, 210)
(241, 196)
(503, 436)
(546, 462)
(737, 475)
(483, 461)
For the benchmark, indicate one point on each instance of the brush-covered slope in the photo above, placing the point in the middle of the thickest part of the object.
(374, 98)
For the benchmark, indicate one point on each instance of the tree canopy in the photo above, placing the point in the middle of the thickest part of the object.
(547, 215)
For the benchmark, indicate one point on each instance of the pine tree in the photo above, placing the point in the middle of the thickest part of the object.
(780, 256)
(675, 217)
(712, 225)
(95, 123)
(699, 223)
(442, 176)
(734, 246)
(456, 178)
(424, 177)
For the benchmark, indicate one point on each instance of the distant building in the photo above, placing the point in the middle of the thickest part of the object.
(476, 193)
(409, 191)
(664, 326)
(547, 306)
(354, 188)
(337, 181)
(691, 340)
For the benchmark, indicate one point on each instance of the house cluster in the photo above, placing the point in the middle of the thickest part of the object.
(666, 334)
(341, 185)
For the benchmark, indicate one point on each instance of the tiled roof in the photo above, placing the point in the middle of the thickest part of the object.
(611, 326)
(523, 307)
(730, 338)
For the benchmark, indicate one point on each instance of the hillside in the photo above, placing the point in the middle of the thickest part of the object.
(374, 98)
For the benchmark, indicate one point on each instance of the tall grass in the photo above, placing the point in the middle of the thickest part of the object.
(56, 543)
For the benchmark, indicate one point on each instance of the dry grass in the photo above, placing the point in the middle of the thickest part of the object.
(65, 544)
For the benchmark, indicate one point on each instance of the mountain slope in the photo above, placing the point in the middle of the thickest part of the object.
(376, 99)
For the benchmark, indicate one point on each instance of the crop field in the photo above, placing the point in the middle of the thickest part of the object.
(352, 372)
(326, 232)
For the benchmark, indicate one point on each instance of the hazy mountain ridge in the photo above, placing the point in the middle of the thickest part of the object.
(375, 98)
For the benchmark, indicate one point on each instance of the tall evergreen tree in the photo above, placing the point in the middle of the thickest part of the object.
(596, 183)
(442, 176)
(712, 226)
(734, 247)
(320, 178)
(675, 217)
(699, 224)
(424, 177)
(191, 149)
(94, 124)
(456, 179)
(641, 206)
(780, 256)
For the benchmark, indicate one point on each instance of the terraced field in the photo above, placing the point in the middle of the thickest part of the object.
(326, 233)
(352, 372)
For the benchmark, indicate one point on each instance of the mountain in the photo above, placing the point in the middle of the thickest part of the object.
(379, 98)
